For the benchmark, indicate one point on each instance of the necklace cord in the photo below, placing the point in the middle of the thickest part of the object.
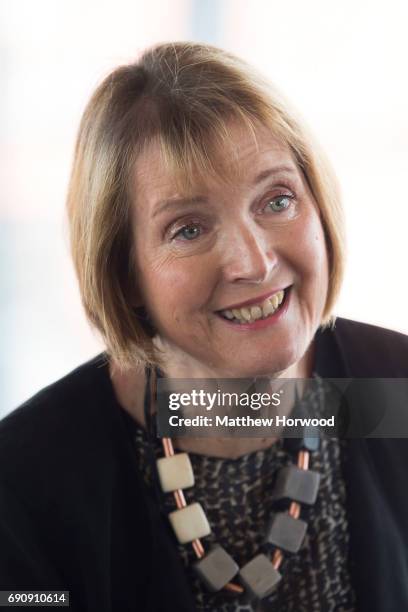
(151, 431)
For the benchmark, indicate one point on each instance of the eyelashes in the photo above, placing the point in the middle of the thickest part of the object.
(281, 205)
(189, 232)
(189, 229)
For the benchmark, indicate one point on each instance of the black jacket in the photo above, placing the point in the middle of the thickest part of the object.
(75, 514)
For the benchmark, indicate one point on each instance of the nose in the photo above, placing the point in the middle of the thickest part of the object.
(248, 254)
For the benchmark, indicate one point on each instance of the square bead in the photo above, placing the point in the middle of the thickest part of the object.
(296, 484)
(286, 532)
(189, 523)
(260, 577)
(216, 568)
(175, 472)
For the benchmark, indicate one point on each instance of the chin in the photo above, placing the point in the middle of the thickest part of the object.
(268, 365)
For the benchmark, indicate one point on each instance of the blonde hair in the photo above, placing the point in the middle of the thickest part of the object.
(184, 95)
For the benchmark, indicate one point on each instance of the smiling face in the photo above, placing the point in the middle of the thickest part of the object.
(235, 276)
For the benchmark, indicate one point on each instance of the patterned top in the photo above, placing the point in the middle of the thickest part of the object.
(236, 497)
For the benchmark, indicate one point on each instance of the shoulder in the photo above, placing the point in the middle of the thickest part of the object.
(354, 332)
(69, 394)
(73, 384)
(367, 350)
(66, 418)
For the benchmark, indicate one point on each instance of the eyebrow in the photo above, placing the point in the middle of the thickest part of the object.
(175, 203)
(271, 171)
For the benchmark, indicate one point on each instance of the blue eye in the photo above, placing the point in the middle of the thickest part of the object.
(279, 203)
(189, 232)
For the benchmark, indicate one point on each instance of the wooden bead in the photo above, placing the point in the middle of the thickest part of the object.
(286, 532)
(297, 484)
(175, 472)
(216, 568)
(189, 523)
(260, 577)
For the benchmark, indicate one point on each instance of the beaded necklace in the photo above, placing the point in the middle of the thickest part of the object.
(295, 485)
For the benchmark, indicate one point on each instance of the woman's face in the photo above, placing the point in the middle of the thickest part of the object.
(213, 267)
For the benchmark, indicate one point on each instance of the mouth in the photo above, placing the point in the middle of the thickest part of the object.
(261, 311)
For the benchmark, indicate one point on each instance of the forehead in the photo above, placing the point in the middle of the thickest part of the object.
(244, 155)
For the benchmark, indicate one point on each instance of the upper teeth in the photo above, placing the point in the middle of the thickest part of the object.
(249, 314)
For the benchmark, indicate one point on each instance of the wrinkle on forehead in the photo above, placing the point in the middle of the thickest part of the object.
(240, 157)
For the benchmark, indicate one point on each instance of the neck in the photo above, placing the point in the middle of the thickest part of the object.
(129, 387)
(177, 364)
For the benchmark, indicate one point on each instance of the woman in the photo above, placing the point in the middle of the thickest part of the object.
(207, 237)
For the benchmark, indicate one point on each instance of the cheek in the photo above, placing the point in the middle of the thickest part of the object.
(172, 285)
(313, 244)
(311, 262)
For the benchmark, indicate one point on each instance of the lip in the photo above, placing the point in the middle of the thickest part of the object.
(256, 300)
(262, 323)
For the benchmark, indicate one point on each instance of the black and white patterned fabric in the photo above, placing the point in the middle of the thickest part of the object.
(236, 497)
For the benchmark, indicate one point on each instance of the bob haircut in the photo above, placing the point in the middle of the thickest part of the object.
(183, 95)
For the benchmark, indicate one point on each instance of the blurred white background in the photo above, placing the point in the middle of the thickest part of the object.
(342, 64)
